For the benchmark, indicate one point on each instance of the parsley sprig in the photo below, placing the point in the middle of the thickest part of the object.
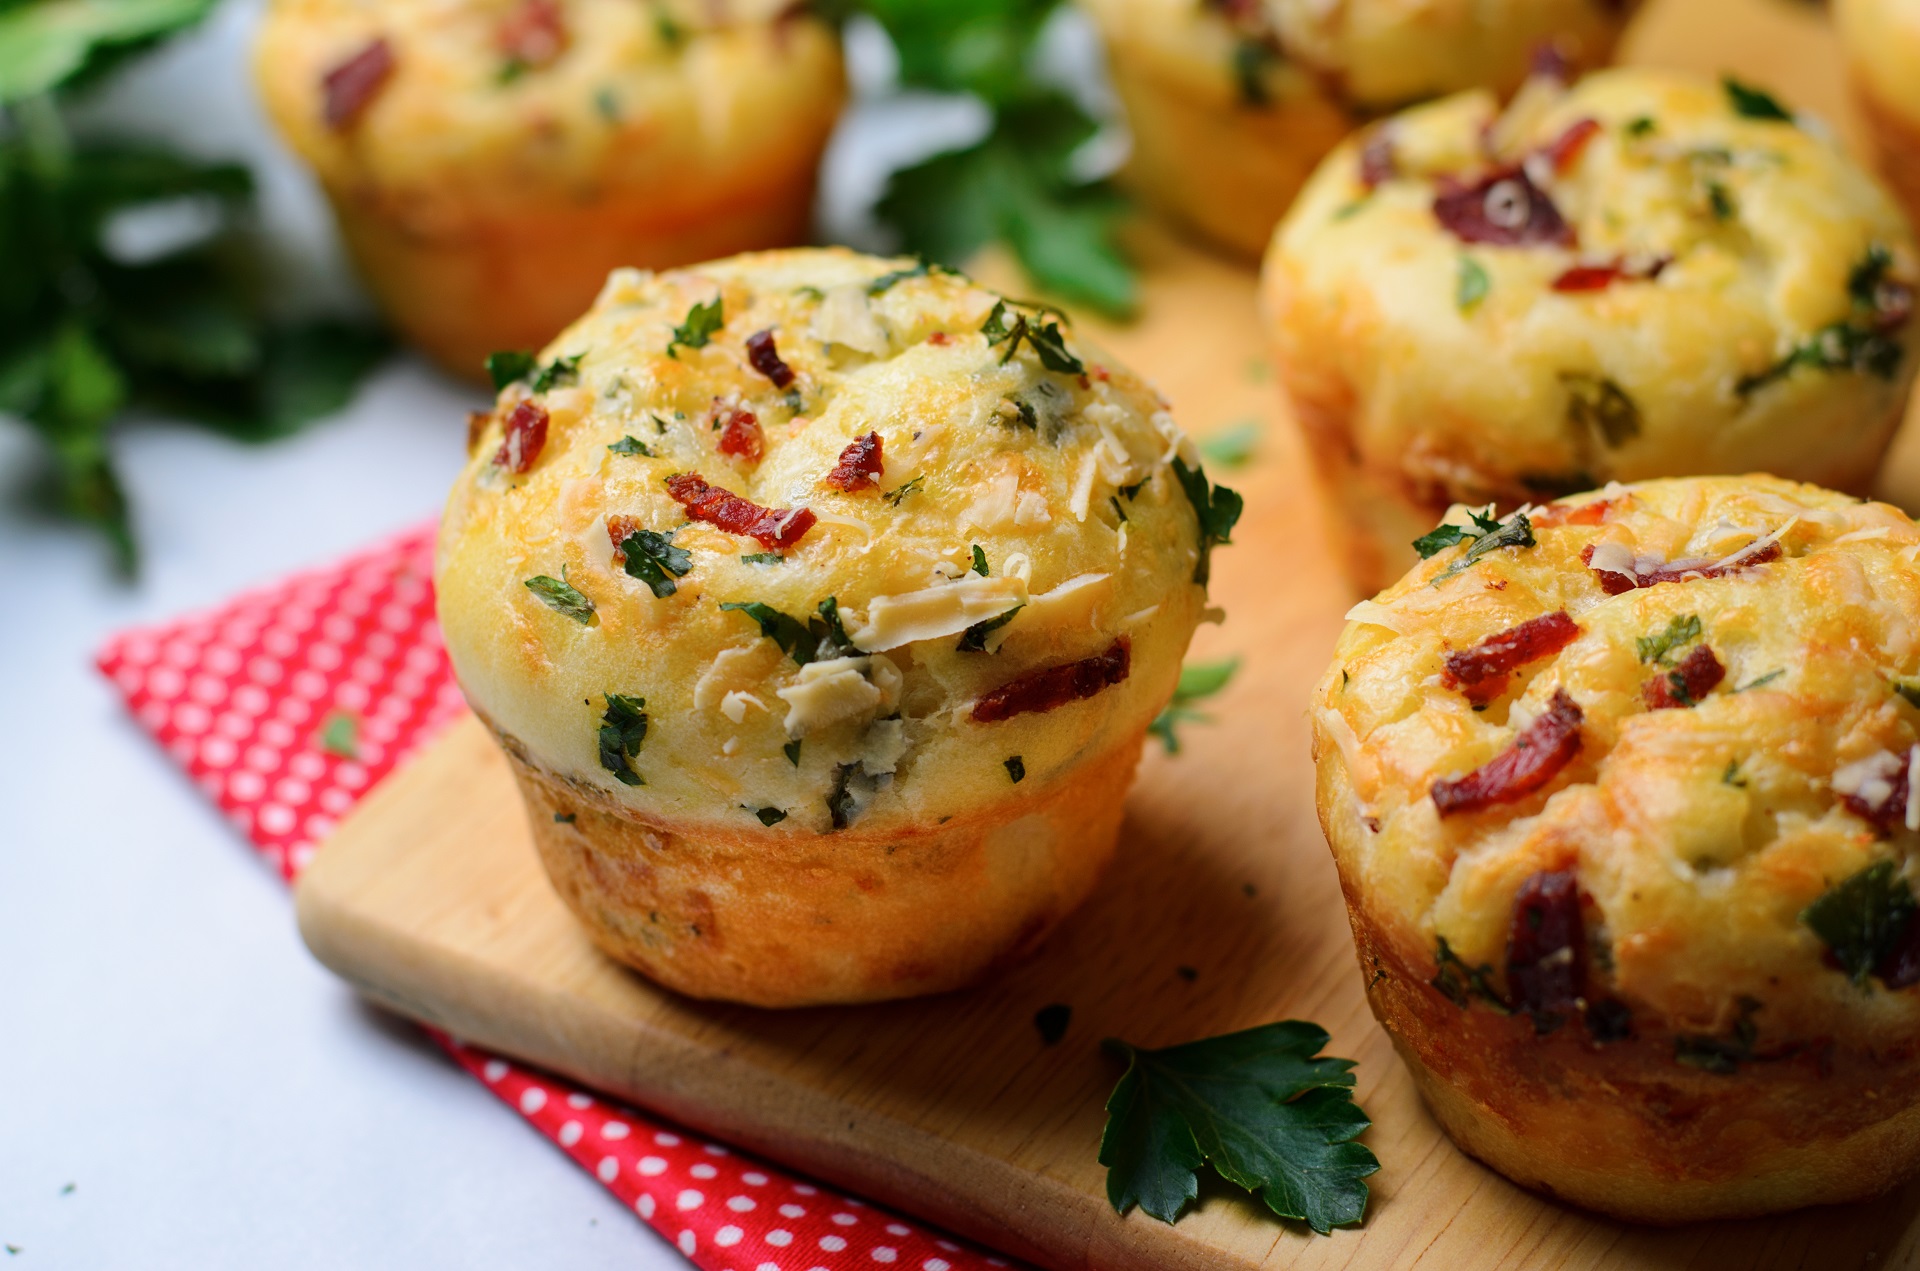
(814, 640)
(562, 596)
(1263, 1107)
(1041, 334)
(1198, 681)
(654, 560)
(1218, 509)
(1658, 649)
(1485, 533)
(622, 729)
(702, 323)
(1862, 919)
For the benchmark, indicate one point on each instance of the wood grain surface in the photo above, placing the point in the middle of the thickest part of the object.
(430, 900)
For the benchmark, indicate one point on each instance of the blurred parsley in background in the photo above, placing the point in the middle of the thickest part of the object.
(87, 330)
(1016, 185)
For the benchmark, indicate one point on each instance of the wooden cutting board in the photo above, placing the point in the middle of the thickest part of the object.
(430, 900)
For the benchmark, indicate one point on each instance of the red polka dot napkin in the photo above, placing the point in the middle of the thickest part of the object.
(288, 704)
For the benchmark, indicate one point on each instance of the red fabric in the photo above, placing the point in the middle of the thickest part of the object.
(241, 696)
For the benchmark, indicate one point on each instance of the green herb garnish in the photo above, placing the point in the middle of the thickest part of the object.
(763, 558)
(893, 497)
(1485, 534)
(1768, 678)
(1016, 769)
(339, 735)
(1838, 346)
(1471, 284)
(1043, 335)
(974, 639)
(1721, 1055)
(1231, 447)
(622, 729)
(979, 561)
(631, 446)
(1749, 102)
(562, 596)
(770, 816)
(815, 640)
(1263, 1107)
(1461, 982)
(509, 367)
(1658, 649)
(1218, 510)
(1198, 681)
(1596, 403)
(654, 560)
(1862, 919)
(792, 751)
(841, 803)
(702, 321)
(1641, 126)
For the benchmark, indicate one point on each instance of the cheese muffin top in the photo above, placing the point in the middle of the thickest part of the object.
(1370, 55)
(1643, 275)
(1691, 705)
(473, 106)
(796, 533)
(1882, 41)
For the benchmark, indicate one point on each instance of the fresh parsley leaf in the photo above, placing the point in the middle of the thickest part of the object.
(1263, 1107)
(1862, 919)
(1757, 681)
(1596, 403)
(1485, 534)
(1040, 333)
(702, 321)
(1471, 285)
(509, 367)
(562, 596)
(1218, 509)
(1838, 346)
(1641, 126)
(763, 558)
(1232, 447)
(888, 281)
(655, 561)
(974, 639)
(1658, 649)
(631, 446)
(770, 816)
(792, 751)
(980, 564)
(559, 373)
(46, 46)
(814, 640)
(1198, 681)
(1252, 57)
(1461, 982)
(1720, 201)
(1439, 539)
(1754, 103)
(622, 729)
(893, 497)
(1016, 769)
(1721, 1055)
(339, 735)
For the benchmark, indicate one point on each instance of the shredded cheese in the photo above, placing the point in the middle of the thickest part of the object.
(935, 612)
(1375, 614)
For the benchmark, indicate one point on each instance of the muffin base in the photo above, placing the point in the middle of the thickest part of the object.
(461, 292)
(1622, 1128)
(1896, 147)
(799, 919)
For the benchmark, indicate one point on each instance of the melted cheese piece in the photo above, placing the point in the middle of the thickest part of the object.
(936, 612)
(825, 693)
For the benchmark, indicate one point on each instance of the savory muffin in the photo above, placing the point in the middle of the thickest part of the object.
(1646, 275)
(1232, 102)
(821, 604)
(1881, 39)
(490, 160)
(1620, 793)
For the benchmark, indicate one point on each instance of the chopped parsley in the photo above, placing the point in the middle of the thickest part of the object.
(1720, 200)
(1749, 102)
(1052, 1022)
(887, 281)
(562, 372)
(1043, 335)
(1721, 1055)
(631, 446)
(1862, 919)
(1461, 982)
(979, 561)
(841, 803)
(1263, 1107)
(974, 639)
(702, 321)
(622, 729)
(1218, 510)
(655, 561)
(339, 735)
(1596, 403)
(1865, 280)
(1470, 285)
(792, 751)
(509, 367)
(1016, 769)
(893, 497)
(1198, 681)
(565, 818)
(1641, 126)
(561, 595)
(1023, 415)
(1485, 534)
(1838, 346)
(770, 816)
(1908, 689)
(1768, 678)
(1252, 56)
(1658, 649)
(815, 640)
(763, 558)
(1231, 447)
(1732, 777)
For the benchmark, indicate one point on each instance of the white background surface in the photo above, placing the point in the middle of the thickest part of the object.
(167, 1046)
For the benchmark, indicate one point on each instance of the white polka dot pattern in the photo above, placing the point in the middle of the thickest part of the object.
(286, 706)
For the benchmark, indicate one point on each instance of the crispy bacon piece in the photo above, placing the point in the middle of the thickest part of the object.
(773, 529)
(1600, 277)
(1892, 304)
(349, 88)
(1555, 515)
(1482, 672)
(1564, 150)
(1688, 684)
(1378, 163)
(526, 437)
(620, 529)
(1880, 799)
(1504, 208)
(534, 34)
(1537, 755)
(940, 338)
(764, 357)
(860, 465)
(739, 432)
(1052, 686)
(1614, 583)
(1547, 949)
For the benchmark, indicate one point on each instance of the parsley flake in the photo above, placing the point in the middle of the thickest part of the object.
(1595, 403)
(979, 561)
(974, 639)
(702, 321)
(1749, 102)
(1658, 649)
(654, 560)
(1862, 919)
(1721, 1055)
(1263, 1107)
(622, 729)
(763, 558)
(1470, 285)
(842, 805)
(770, 816)
(1198, 680)
(1044, 336)
(815, 640)
(1218, 510)
(1768, 678)
(631, 446)
(339, 735)
(1016, 769)
(1485, 534)
(509, 367)
(561, 595)
(893, 497)
(1231, 447)
(1461, 982)
(792, 751)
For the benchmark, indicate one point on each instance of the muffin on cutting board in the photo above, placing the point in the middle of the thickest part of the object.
(821, 603)
(1881, 39)
(1621, 791)
(1644, 275)
(489, 161)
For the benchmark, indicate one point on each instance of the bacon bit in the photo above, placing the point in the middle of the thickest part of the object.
(350, 87)
(620, 529)
(773, 529)
(860, 465)
(1052, 686)
(1505, 209)
(1378, 163)
(1889, 814)
(739, 432)
(1600, 277)
(1482, 672)
(1100, 373)
(1554, 515)
(1892, 306)
(1698, 674)
(1564, 150)
(1537, 755)
(1547, 949)
(1615, 583)
(940, 338)
(526, 437)
(765, 358)
(534, 34)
